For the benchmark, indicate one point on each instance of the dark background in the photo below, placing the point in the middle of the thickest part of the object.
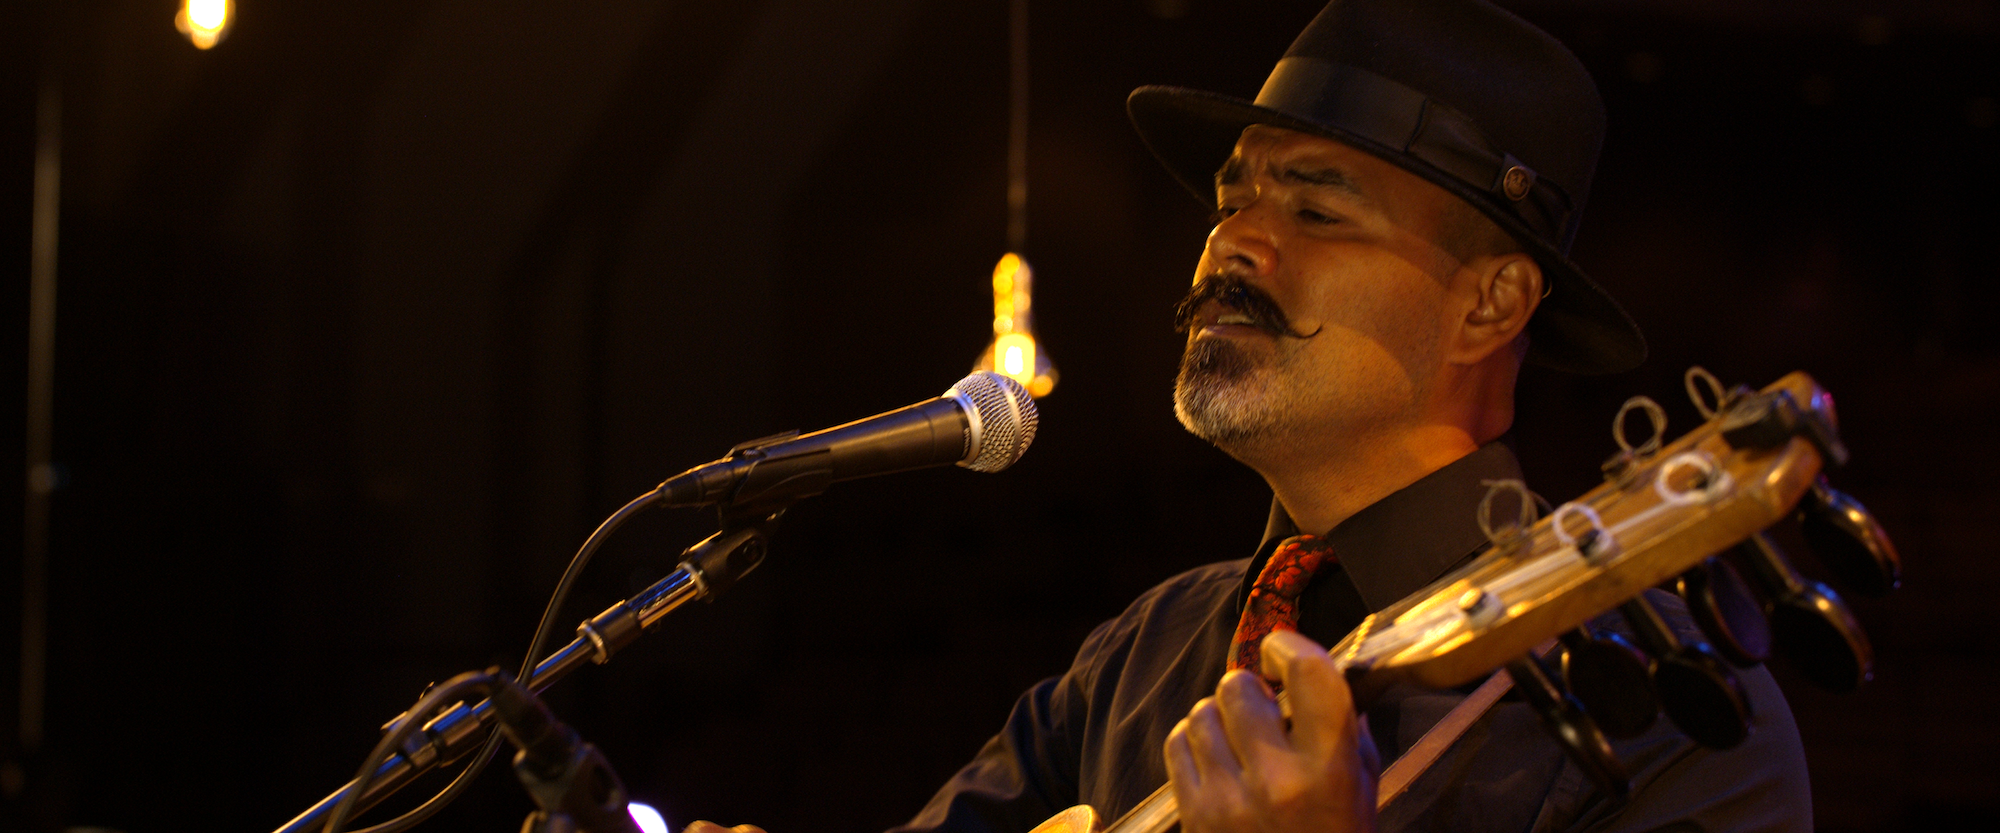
(369, 314)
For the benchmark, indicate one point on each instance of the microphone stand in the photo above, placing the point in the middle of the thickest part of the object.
(568, 778)
(706, 569)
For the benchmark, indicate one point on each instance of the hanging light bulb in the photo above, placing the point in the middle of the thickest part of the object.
(1014, 352)
(205, 22)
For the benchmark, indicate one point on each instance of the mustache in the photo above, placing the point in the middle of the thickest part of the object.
(1238, 295)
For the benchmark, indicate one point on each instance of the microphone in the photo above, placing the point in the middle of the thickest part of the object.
(983, 423)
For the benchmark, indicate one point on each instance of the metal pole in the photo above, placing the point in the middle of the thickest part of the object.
(1017, 127)
(41, 474)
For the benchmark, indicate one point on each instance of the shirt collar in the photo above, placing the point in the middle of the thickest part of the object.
(1404, 541)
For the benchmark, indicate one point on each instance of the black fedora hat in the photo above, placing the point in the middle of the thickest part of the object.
(1459, 92)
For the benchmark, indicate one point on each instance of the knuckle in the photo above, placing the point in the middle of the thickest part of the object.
(1235, 686)
(1205, 710)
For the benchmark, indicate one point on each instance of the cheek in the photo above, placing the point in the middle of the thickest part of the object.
(1363, 374)
(1394, 316)
(1382, 298)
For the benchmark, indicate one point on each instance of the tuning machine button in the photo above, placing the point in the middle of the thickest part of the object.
(1764, 421)
(1761, 421)
(1810, 627)
(1819, 635)
(1696, 688)
(1849, 541)
(1609, 677)
(1728, 613)
(1572, 727)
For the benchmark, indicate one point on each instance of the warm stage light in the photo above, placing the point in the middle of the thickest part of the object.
(1013, 352)
(648, 819)
(1014, 355)
(205, 22)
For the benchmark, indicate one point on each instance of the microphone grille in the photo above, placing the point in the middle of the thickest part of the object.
(1000, 420)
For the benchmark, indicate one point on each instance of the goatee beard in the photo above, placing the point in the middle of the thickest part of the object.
(1215, 395)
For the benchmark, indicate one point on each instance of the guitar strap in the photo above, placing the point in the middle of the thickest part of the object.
(1400, 775)
(1397, 779)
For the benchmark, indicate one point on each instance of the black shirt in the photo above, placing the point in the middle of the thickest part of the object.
(1094, 735)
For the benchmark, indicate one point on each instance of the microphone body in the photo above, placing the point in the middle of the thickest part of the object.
(984, 423)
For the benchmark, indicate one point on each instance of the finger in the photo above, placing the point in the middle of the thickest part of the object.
(1252, 720)
(1181, 769)
(1208, 742)
(1323, 721)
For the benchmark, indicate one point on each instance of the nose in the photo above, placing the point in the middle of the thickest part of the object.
(1242, 242)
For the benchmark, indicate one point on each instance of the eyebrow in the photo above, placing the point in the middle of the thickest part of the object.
(1233, 171)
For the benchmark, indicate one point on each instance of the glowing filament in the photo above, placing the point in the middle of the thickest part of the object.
(1013, 352)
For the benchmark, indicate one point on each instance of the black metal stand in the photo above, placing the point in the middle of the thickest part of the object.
(569, 779)
(706, 569)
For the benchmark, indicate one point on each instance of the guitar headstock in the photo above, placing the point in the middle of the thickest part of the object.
(1660, 519)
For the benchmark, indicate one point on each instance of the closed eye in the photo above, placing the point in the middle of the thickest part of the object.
(1221, 213)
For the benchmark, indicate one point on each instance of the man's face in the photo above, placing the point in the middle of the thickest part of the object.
(1344, 244)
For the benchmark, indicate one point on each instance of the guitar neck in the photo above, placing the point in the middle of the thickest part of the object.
(1663, 513)
(1158, 813)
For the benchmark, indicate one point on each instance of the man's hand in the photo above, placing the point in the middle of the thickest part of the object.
(712, 827)
(1236, 767)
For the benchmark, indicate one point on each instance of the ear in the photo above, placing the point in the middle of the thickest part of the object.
(1502, 292)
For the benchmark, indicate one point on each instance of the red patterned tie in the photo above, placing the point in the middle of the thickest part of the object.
(1274, 598)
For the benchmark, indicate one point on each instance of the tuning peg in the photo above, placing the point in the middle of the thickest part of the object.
(1623, 467)
(1771, 419)
(1727, 612)
(1810, 627)
(1849, 541)
(1572, 727)
(1609, 677)
(1697, 690)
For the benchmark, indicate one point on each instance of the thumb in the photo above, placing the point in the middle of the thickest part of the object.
(1323, 720)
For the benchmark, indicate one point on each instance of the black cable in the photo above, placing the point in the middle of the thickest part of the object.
(446, 796)
(576, 565)
(536, 647)
(451, 691)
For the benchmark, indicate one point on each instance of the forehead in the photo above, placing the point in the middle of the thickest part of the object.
(1265, 138)
(1263, 145)
(1293, 157)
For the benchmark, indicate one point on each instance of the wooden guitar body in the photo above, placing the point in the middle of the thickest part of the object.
(1078, 819)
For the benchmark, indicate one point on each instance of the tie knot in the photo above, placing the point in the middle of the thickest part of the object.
(1292, 564)
(1273, 601)
(1302, 545)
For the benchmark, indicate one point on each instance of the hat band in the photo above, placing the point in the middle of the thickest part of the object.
(1374, 108)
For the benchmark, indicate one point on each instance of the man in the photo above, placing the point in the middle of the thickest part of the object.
(1394, 213)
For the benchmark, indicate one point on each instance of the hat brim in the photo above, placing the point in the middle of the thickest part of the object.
(1577, 328)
